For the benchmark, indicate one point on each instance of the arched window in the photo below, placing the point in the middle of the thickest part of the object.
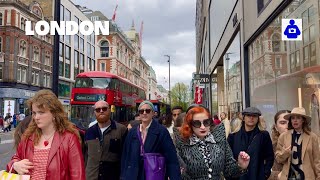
(104, 49)
(23, 49)
(36, 54)
(22, 24)
(276, 43)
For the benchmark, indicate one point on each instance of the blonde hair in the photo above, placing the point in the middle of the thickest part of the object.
(47, 100)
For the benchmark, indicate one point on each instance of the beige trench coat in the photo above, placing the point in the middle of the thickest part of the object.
(310, 155)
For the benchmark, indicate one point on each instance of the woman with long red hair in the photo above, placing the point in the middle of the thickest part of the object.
(206, 152)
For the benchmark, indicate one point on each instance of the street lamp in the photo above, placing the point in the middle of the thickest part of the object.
(169, 80)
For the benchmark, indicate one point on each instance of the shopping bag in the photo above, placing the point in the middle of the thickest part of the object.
(11, 176)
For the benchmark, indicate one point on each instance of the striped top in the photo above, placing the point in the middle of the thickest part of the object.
(40, 160)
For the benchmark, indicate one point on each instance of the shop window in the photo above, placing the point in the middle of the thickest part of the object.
(306, 55)
(61, 68)
(68, 53)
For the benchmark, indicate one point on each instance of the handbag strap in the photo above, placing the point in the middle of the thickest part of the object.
(141, 142)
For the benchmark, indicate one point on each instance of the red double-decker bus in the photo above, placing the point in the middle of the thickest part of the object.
(93, 86)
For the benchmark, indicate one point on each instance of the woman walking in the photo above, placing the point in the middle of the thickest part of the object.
(205, 152)
(298, 148)
(50, 147)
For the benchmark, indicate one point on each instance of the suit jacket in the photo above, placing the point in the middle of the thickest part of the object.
(158, 140)
(310, 155)
(65, 160)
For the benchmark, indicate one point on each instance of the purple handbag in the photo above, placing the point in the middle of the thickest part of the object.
(154, 163)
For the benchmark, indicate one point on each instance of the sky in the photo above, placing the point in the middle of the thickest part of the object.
(168, 29)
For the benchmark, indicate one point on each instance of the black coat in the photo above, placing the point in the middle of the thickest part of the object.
(158, 140)
(259, 146)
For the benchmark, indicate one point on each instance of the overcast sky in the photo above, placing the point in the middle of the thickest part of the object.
(169, 28)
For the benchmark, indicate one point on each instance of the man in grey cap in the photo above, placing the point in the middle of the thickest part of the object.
(255, 141)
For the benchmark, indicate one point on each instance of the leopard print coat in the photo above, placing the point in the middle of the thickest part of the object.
(223, 164)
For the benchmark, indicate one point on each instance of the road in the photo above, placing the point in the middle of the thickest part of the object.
(6, 148)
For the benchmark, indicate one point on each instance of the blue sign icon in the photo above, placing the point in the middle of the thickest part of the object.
(292, 31)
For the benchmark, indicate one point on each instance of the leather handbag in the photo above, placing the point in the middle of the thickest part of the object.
(154, 163)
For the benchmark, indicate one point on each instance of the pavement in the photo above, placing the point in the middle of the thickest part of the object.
(6, 148)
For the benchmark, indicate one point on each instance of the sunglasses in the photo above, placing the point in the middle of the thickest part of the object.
(198, 123)
(104, 109)
(175, 115)
(141, 111)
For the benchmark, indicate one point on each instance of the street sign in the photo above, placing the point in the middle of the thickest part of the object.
(204, 78)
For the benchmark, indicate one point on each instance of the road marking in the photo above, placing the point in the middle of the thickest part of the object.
(7, 141)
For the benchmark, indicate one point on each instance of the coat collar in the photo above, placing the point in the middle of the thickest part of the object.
(152, 136)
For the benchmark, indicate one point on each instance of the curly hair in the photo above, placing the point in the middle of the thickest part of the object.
(186, 129)
(47, 100)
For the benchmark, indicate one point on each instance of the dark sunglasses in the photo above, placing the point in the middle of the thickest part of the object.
(141, 111)
(175, 115)
(198, 123)
(104, 109)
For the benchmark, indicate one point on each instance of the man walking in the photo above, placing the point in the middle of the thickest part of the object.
(255, 141)
(104, 142)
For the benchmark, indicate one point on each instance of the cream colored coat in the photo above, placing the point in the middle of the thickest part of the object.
(310, 155)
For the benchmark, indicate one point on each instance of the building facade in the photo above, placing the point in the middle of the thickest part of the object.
(76, 53)
(25, 61)
(255, 67)
(152, 85)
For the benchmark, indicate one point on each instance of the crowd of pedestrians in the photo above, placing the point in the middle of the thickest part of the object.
(189, 145)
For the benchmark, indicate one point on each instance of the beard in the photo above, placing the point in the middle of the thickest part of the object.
(103, 118)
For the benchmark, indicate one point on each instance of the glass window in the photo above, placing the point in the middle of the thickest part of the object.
(81, 61)
(76, 58)
(1, 76)
(0, 44)
(305, 36)
(104, 49)
(37, 79)
(23, 48)
(48, 58)
(76, 41)
(67, 15)
(306, 54)
(68, 52)
(22, 24)
(67, 70)
(61, 12)
(81, 44)
(24, 75)
(48, 81)
(88, 49)
(276, 38)
(93, 82)
(297, 58)
(1, 19)
(61, 49)
(103, 67)
(68, 39)
(294, 78)
(61, 68)
(36, 54)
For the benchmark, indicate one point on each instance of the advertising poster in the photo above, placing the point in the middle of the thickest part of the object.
(8, 107)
